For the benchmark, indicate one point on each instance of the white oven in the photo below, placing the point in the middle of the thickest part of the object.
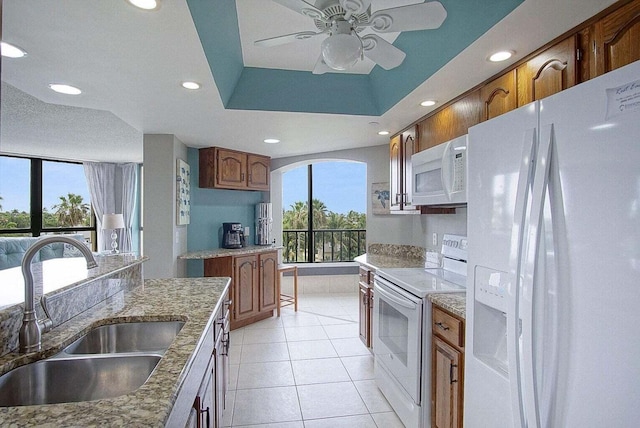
(397, 335)
(402, 329)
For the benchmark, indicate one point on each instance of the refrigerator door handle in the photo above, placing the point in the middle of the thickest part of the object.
(520, 218)
(531, 283)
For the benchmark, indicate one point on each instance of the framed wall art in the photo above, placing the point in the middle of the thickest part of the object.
(183, 193)
(380, 198)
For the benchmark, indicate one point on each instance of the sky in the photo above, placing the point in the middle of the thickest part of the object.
(342, 186)
(59, 180)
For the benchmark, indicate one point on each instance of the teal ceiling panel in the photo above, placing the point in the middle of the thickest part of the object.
(301, 91)
(247, 88)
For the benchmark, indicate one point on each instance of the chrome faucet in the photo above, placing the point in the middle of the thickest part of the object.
(32, 328)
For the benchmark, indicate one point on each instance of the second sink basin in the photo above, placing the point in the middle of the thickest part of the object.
(150, 336)
(75, 379)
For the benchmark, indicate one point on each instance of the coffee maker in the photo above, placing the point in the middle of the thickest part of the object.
(232, 235)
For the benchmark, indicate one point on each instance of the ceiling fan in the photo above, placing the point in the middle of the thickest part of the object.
(342, 20)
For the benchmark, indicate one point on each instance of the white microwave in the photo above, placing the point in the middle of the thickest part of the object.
(439, 174)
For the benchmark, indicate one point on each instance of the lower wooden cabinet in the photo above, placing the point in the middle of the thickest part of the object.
(253, 284)
(366, 305)
(447, 363)
(202, 398)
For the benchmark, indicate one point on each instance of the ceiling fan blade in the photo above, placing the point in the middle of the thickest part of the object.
(422, 16)
(303, 8)
(355, 7)
(382, 52)
(282, 40)
(321, 67)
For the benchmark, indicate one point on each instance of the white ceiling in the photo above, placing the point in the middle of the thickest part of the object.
(129, 63)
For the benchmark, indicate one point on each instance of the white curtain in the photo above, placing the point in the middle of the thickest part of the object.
(101, 182)
(129, 189)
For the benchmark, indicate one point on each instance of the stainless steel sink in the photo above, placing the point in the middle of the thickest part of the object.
(152, 336)
(75, 379)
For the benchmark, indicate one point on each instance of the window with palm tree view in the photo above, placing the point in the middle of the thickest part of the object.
(40, 197)
(324, 212)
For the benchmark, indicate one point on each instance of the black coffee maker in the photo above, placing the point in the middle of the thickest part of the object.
(232, 235)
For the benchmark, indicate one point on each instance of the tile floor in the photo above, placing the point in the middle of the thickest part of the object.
(306, 369)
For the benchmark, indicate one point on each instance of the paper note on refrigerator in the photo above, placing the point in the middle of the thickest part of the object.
(623, 99)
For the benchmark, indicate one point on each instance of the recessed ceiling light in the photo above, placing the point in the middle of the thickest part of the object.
(190, 85)
(501, 56)
(383, 133)
(145, 4)
(271, 141)
(65, 89)
(11, 51)
(428, 103)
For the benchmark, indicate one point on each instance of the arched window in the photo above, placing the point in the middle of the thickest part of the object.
(324, 212)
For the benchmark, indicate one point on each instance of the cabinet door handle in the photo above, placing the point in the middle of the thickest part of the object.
(242, 176)
(397, 195)
(442, 326)
(451, 367)
(226, 342)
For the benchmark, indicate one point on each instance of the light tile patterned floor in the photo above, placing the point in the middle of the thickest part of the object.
(306, 369)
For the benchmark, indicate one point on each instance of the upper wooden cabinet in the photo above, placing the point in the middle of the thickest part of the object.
(401, 148)
(450, 122)
(230, 169)
(548, 73)
(616, 38)
(499, 96)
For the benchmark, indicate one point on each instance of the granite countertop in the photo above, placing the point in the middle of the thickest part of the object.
(456, 303)
(382, 261)
(192, 300)
(224, 252)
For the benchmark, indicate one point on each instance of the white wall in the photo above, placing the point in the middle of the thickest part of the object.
(164, 241)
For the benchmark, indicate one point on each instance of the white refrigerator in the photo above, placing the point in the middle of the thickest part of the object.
(553, 295)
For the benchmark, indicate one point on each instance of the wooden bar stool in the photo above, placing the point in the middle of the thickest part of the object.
(286, 299)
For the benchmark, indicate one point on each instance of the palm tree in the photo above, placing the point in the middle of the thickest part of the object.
(72, 211)
(319, 214)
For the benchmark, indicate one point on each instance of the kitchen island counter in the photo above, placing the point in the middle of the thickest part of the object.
(193, 300)
(224, 252)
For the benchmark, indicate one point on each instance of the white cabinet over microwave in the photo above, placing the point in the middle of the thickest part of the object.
(439, 174)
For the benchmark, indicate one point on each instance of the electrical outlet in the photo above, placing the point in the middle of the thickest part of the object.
(435, 238)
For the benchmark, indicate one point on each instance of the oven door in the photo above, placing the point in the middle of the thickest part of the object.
(397, 334)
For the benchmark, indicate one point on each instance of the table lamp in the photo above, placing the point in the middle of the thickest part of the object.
(113, 222)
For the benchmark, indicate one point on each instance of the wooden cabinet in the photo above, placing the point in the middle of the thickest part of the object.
(230, 169)
(220, 378)
(268, 272)
(202, 397)
(548, 73)
(499, 96)
(366, 305)
(253, 284)
(401, 148)
(447, 367)
(452, 121)
(616, 38)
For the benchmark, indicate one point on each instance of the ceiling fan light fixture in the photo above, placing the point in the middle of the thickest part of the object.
(341, 51)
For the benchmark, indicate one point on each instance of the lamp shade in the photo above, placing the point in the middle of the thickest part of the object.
(341, 51)
(112, 221)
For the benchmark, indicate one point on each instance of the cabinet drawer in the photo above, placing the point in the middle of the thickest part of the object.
(448, 327)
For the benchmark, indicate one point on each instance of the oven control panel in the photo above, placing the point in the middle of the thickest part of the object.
(454, 246)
